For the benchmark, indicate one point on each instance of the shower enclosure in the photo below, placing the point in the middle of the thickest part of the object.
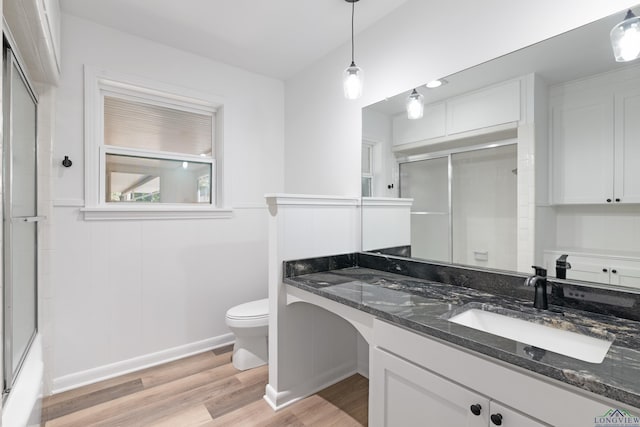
(20, 217)
(464, 205)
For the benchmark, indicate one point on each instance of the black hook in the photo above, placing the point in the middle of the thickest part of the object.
(67, 162)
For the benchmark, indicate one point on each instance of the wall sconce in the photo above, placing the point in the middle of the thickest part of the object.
(415, 105)
(353, 75)
(625, 38)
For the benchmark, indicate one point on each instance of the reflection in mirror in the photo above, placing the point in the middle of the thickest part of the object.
(367, 169)
(148, 180)
(530, 159)
(427, 183)
(484, 202)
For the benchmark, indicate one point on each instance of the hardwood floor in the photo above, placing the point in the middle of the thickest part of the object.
(202, 390)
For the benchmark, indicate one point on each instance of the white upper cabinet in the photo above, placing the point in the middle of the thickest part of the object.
(582, 149)
(35, 28)
(627, 146)
(461, 116)
(492, 106)
(595, 139)
(431, 125)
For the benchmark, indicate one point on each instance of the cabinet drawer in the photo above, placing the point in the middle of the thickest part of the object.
(593, 271)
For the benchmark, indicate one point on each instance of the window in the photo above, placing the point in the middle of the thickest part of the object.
(150, 148)
(367, 169)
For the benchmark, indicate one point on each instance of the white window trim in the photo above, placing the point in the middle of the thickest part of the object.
(372, 152)
(97, 82)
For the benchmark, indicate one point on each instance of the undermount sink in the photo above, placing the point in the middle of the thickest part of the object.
(576, 345)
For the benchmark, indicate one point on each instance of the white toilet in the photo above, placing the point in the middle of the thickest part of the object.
(250, 324)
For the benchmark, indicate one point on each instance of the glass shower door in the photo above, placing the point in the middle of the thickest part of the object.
(20, 217)
(427, 183)
(484, 207)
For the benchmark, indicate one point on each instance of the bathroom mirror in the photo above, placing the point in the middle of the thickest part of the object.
(514, 162)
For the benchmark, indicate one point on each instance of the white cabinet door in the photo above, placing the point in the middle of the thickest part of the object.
(627, 147)
(506, 417)
(487, 107)
(431, 125)
(625, 276)
(582, 150)
(403, 394)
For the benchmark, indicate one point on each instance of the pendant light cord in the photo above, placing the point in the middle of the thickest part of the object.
(353, 8)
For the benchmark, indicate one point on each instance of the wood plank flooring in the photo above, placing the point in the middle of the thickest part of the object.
(204, 390)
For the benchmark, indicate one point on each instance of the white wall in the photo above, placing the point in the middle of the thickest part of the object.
(411, 46)
(128, 293)
(607, 228)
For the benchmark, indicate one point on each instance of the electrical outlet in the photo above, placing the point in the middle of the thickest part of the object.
(598, 297)
(576, 295)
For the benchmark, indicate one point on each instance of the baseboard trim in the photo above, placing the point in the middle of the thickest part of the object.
(100, 373)
(281, 399)
(363, 372)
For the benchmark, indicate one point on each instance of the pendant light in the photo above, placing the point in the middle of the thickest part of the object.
(415, 105)
(352, 76)
(625, 38)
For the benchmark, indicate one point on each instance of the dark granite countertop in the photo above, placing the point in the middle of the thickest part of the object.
(425, 305)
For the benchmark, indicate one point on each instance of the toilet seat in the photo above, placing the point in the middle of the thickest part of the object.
(250, 314)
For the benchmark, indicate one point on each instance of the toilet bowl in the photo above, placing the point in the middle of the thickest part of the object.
(250, 324)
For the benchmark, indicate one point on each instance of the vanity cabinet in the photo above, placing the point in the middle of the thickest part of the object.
(458, 116)
(415, 380)
(602, 268)
(595, 140)
(409, 395)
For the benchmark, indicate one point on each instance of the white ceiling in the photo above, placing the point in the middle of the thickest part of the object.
(276, 38)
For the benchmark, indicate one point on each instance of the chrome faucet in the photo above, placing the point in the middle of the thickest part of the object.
(539, 281)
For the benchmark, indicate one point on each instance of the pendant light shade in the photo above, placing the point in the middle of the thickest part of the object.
(415, 105)
(625, 38)
(353, 76)
(352, 81)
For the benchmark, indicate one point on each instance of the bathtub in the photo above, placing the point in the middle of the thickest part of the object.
(23, 407)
